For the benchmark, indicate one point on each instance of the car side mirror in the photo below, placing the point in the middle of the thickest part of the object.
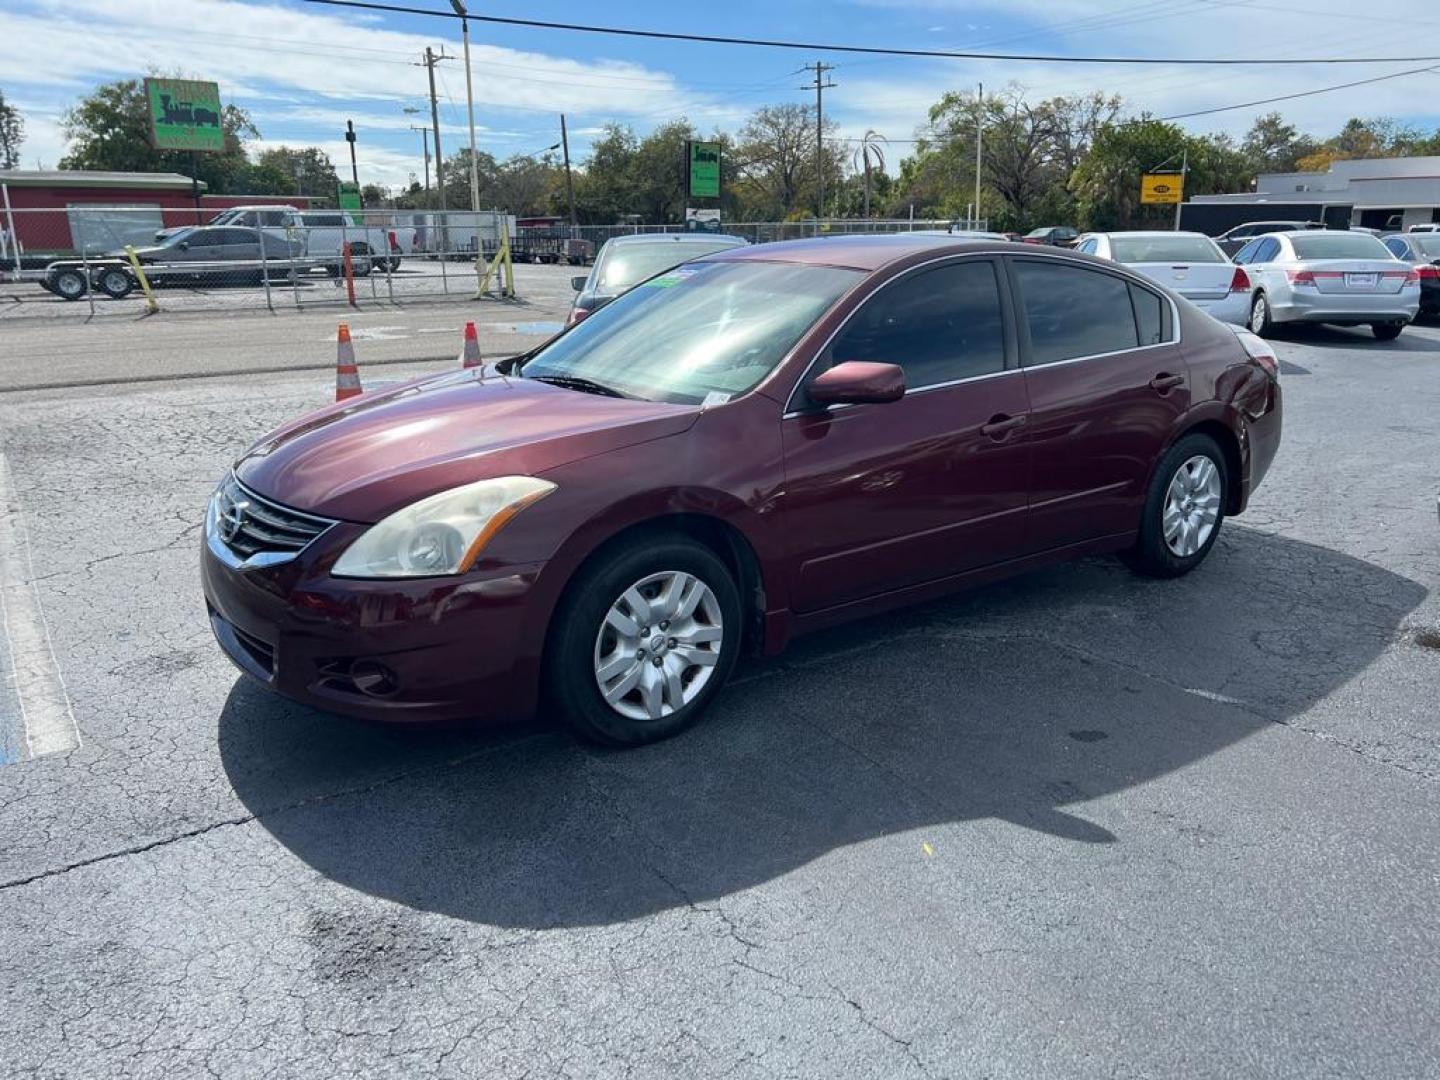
(578, 283)
(858, 382)
(184, 245)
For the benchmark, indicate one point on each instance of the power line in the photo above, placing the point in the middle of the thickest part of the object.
(1301, 94)
(774, 43)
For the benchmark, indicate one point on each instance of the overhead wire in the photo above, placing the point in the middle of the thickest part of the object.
(876, 50)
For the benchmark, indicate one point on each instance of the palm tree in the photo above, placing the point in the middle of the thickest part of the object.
(870, 150)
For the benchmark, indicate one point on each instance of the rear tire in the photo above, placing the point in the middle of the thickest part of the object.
(1386, 331)
(115, 282)
(1184, 509)
(1260, 323)
(594, 641)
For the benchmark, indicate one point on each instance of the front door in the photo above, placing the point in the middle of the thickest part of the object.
(878, 497)
(1107, 384)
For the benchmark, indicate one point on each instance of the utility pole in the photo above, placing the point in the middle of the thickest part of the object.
(470, 108)
(350, 138)
(820, 85)
(431, 59)
(979, 149)
(569, 180)
(1184, 169)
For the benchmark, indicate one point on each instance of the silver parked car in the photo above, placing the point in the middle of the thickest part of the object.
(1344, 278)
(625, 261)
(1189, 263)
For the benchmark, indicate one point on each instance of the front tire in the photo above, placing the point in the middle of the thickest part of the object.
(1261, 325)
(1183, 509)
(645, 639)
(1386, 331)
(69, 284)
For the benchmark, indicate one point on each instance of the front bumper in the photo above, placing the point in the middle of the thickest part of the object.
(430, 649)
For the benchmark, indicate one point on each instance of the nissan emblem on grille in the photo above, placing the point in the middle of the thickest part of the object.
(232, 518)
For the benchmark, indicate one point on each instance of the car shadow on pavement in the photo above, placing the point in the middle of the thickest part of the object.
(1018, 702)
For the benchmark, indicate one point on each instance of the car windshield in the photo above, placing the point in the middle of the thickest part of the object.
(702, 330)
(623, 265)
(1038, 232)
(182, 234)
(1339, 245)
(1164, 249)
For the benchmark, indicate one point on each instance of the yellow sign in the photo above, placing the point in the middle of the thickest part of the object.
(1161, 188)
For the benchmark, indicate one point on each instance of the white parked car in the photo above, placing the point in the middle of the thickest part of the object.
(1339, 277)
(1188, 263)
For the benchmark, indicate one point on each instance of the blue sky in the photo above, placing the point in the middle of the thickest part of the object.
(302, 70)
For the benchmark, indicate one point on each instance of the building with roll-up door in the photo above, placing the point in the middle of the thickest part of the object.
(1390, 194)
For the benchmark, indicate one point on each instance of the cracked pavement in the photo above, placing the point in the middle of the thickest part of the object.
(1076, 824)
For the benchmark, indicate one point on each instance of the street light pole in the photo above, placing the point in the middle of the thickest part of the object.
(470, 105)
(425, 149)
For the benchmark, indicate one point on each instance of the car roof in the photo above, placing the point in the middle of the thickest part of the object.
(676, 238)
(1147, 233)
(857, 252)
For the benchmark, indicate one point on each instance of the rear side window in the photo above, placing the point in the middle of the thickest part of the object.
(1398, 248)
(939, 325)
(1073, 311)
(1149, 315)
(1266, 250)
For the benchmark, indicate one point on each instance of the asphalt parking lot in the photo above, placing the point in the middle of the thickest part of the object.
(1078, 824)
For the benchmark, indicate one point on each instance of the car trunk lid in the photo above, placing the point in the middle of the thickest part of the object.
(1192, 280)
(1352, 277)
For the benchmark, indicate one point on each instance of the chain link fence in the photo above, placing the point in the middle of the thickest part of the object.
(79, 257)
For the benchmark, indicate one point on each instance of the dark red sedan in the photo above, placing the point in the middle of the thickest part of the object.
(753, 445)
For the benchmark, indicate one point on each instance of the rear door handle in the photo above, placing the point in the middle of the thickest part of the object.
(1001, 425)
(1165, 381)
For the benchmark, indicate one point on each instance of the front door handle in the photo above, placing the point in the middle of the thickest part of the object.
(1165, 382)
(1001, 425)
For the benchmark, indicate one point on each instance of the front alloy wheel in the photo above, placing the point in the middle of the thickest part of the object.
(645, 638)
(658, 645)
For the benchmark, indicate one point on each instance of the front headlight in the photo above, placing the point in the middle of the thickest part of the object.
(442, 534)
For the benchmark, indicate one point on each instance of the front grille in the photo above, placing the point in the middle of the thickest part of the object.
(248, 523)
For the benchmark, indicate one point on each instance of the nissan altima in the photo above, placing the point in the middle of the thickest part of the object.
(745, 448)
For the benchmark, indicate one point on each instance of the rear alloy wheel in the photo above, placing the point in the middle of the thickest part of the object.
(1183, 509)
(1387, 331)
(1260, 322)
(645, 640)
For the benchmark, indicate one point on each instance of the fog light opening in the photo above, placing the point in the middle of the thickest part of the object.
(373, 678)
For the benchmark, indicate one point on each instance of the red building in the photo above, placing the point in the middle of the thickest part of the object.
(58, 211)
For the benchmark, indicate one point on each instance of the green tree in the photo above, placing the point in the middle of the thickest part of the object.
(776, 166)
(1273, 146)
(293, 170)
(1106, 184)
(12, 134)
(109, 129)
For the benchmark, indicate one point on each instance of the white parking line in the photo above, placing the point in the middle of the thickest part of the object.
(45, 712)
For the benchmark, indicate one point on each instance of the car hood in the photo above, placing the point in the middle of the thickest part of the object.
(366, 458)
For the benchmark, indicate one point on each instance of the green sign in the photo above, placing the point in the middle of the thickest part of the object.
(703, 159)
(349, 198)
(184, 114)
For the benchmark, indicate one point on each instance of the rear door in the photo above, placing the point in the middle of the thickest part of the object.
(879, 497)
(1106, 383)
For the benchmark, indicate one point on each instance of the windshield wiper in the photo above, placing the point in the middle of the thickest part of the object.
(576, 382)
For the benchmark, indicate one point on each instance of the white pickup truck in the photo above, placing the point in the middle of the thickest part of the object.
(322, 235)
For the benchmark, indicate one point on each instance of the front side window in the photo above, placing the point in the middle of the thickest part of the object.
(938, 325)
(1073, 311)
(700, 331)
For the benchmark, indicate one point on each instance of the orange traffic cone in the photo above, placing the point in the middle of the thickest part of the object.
(471, 356)
(347, 375)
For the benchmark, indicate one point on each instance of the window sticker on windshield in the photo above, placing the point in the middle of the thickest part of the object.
(674, 277)
(715, 397)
